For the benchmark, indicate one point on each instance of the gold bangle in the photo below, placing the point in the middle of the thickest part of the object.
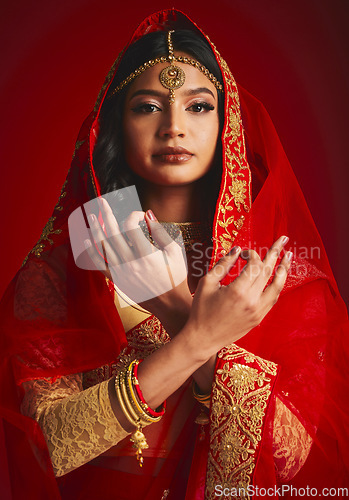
(121, 401)
(202, 398)
(137, 437)
(138, 406)
(127, 401)
(160, 411)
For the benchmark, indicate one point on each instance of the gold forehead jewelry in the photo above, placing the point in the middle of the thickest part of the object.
(172, 77)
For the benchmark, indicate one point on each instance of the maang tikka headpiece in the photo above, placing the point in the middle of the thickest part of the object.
(172, 77)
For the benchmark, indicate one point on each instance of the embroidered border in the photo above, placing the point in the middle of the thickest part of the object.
(48, 229)
(240, 396)
(235, 195)
(78, 145)
(143, 339)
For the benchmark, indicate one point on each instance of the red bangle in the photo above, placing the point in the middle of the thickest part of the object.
(154, 413)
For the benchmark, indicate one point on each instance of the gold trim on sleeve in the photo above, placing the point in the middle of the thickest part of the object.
(240, 396)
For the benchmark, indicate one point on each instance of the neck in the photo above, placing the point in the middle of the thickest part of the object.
(171, 203)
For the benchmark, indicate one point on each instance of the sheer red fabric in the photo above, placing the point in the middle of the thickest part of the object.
(47, 330)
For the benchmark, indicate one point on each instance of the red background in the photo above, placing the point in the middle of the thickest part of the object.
(292, 55)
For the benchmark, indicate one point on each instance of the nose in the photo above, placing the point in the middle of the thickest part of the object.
(172, 123)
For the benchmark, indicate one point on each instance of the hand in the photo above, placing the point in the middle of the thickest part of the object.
(221, 315)
(154, 278)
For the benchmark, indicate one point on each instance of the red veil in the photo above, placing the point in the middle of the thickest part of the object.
(47, 330)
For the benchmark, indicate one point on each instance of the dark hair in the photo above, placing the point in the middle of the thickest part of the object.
(110, 166)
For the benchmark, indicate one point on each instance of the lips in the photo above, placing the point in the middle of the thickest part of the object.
(173, 155)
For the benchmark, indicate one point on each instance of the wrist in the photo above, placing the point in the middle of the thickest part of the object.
(173, 312)
(177, 300)
(199, 351)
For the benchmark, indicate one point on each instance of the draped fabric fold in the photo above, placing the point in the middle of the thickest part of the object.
(57, 320)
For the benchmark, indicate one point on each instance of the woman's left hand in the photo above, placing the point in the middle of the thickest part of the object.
(155, 278)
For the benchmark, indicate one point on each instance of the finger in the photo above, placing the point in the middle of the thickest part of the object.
(272, 292)
(275, 250)
(135, 235)
(223, 266)
(157, 230)
(270, 261)
(115, 238)
(96, 259)
(96, 231)
(252, 270)
(102, 243)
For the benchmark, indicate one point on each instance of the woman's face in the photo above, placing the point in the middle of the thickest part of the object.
(173, 144)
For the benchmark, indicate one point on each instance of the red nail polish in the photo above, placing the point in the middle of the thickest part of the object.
(285, 240)
(151, 215)
(234, 250)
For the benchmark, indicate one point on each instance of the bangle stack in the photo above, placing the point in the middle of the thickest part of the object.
(202, 419)
(134, 407)
(202, 398)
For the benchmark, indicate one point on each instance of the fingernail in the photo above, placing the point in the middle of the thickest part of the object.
(244, 254)
(284, 240)
(151, 215)
(289, 256)
(91, 217)
(87, 244)
(234, 250)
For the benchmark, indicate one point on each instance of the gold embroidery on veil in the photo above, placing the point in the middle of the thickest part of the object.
(236, 174)
(48, 229)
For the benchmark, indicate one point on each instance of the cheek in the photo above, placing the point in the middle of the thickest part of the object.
(208, 136)
(132, 143)
(137, 134)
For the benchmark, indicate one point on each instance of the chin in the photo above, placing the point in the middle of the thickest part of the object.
(175, 182)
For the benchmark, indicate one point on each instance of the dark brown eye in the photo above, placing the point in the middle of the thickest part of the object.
(146, 108)
(201, 107)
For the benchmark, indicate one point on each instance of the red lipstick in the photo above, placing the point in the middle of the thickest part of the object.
(173, 155)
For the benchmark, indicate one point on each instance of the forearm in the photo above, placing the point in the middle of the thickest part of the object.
(59, 407)
(174, 321)
(172, 309)
(165, 370)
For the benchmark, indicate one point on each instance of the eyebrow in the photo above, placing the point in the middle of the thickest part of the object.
(199, 90)
(156, 93)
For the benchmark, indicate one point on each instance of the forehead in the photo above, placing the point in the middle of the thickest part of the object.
(194, 79)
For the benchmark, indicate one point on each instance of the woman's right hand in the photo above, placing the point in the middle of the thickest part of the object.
(143, 272)
(221, 315)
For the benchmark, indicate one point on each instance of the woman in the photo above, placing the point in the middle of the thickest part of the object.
(277, 398)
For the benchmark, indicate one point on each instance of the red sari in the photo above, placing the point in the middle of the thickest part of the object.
(298, 355)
